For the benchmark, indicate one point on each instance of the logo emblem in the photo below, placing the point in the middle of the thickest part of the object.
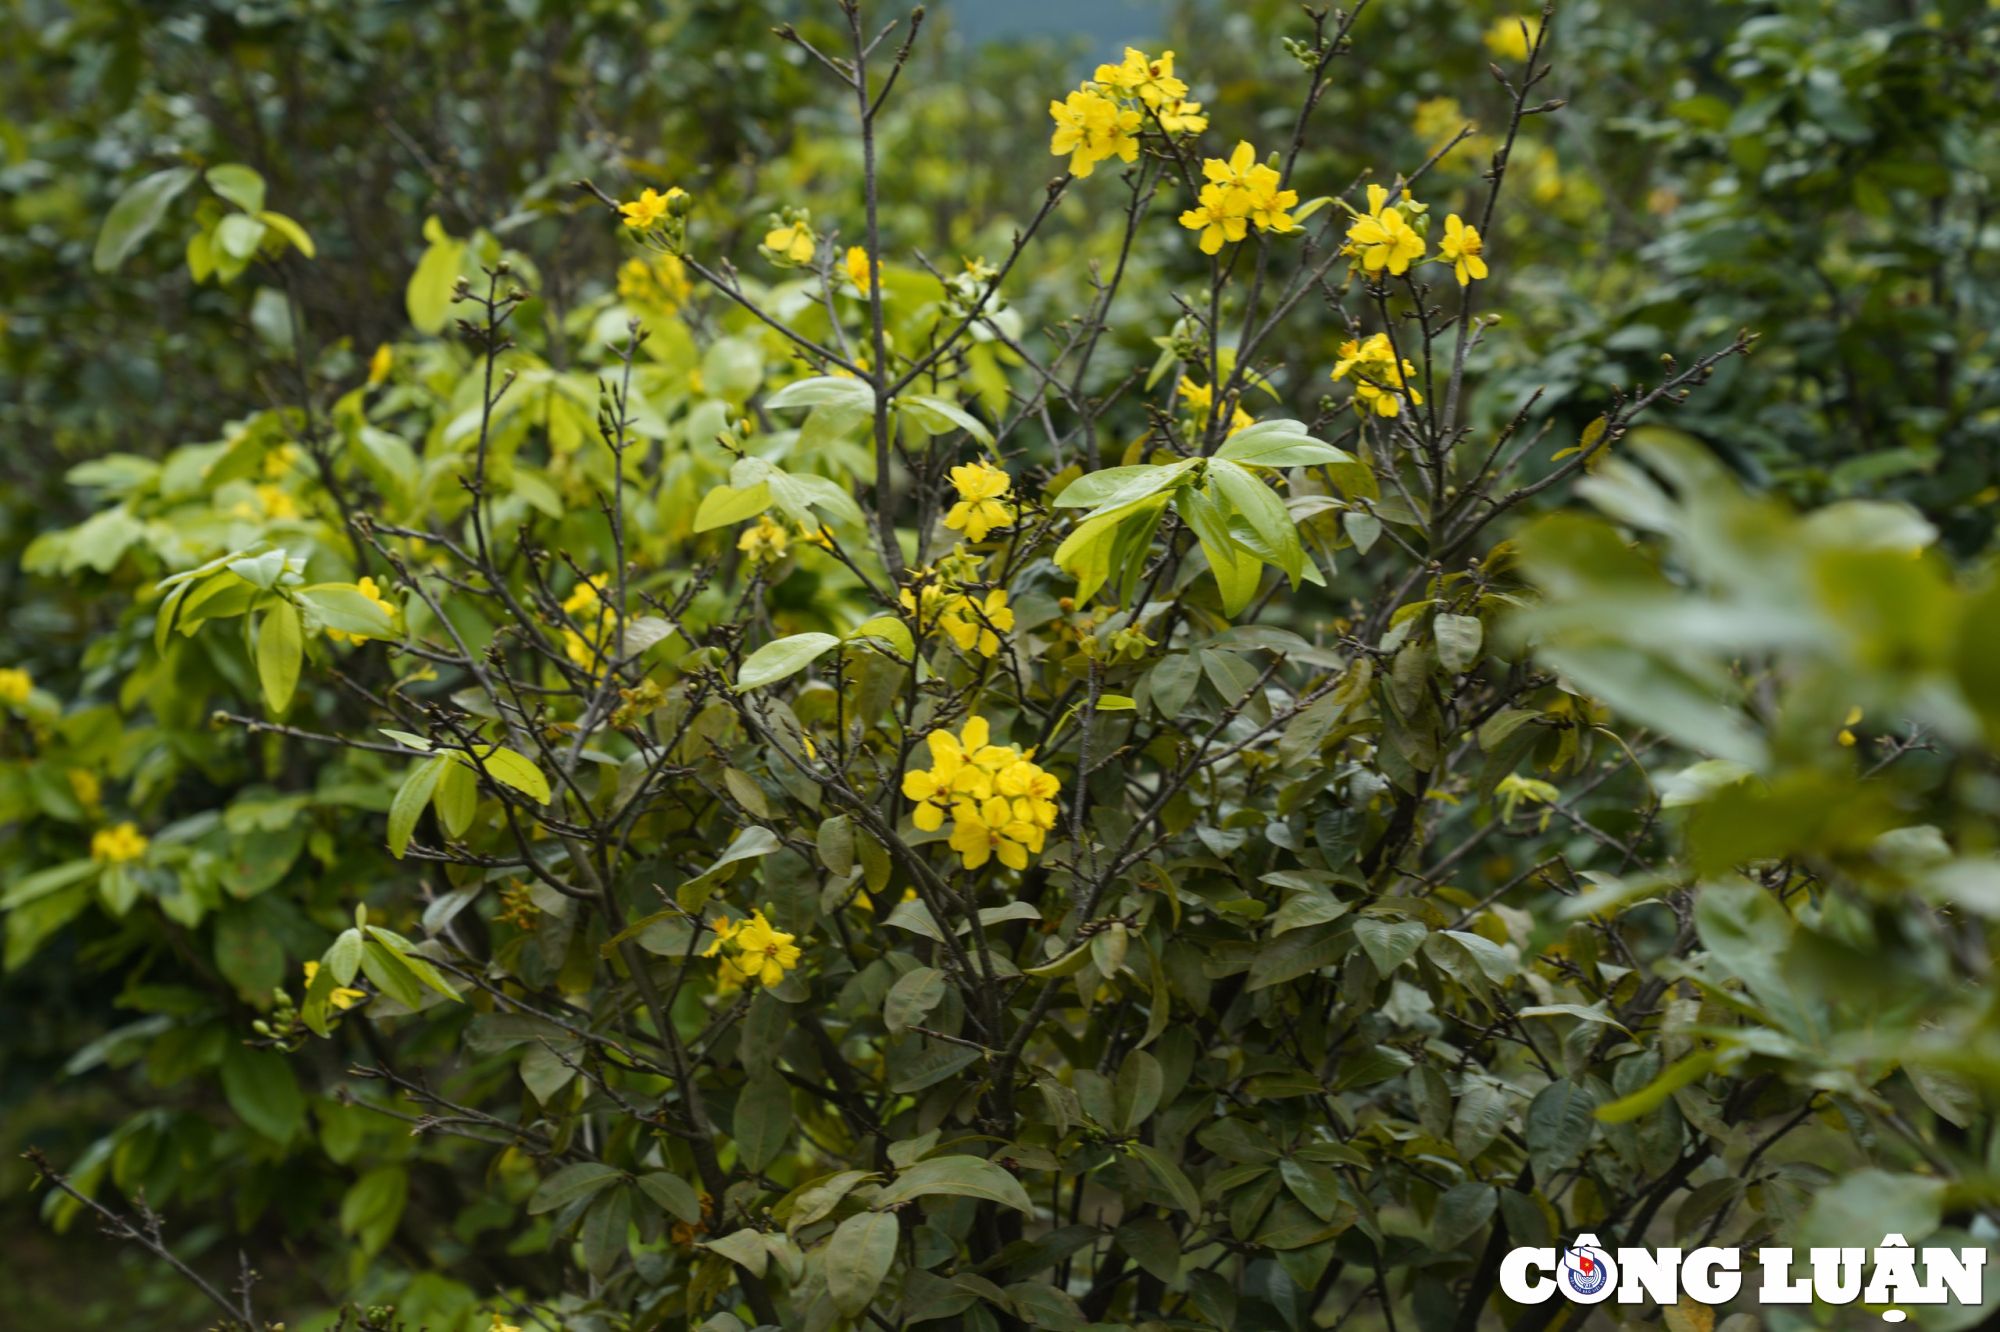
(1587, 1273)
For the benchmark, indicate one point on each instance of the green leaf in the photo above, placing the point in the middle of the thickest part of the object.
(1267, 515)
(570, 1183)
(674, 1195)
(263, 1092)
(725, 505)
(820, 389)
(1873, 1202)
(429, 295)
(238, 236)
(343, 957)
(136, 213)
(912, 998)
(1559, 1126)
(1648, 1098)
(605, 1228)
(1279, 444)
(763, 1120)
(456, 799)
(964, 1176)
(238, 184)
(1042, 1305)
(1152, 1244)
(290, 230)
(1458, 641)
(54, 879)
(411, 797)
(1140, 1083)
(508, 768)
(373, 1205)
(1170, 1177)
(857, 1258)
(393, 976)
(786, 656)
(1389, 943)
(344, 606)
(1460, 1213)
(1115, 487)
(939, 416)
(280, 650)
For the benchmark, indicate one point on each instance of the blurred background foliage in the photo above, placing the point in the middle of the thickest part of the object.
(1820, 173)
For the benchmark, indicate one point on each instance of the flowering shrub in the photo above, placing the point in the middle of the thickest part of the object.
(792, 799)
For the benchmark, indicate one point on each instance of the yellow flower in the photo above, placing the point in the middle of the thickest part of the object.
(1001, 803)
(1509, 37)
(792, 244)
(973, 629)
(342, 997)
(858, 269)
(1437, 119)
(1379, 382)
(86, 786)
(1200, 397)
(990, 828)
(646, 211)
(369, 590)
(980, 488)
(118, 845)
(380, 364)
(1847, 737)
(765, 953)
(1462, 247)
(725, 930)
(1268, 203)
(764, 543)
(1182, 117)
(501, 1325)
(1139, 75)
(821, 536)
(759, 952)
(1383, 239)
(1223, 214)
(15, 686)
(276, 502)
(662, 283)
(1091, 127)
(578, 648)
(583, 599)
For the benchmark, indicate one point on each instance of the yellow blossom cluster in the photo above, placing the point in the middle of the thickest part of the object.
(646, 211)
(368, 589)
(118, 845)
(1241, 193)
(659, 283)
(1380, 381)
(585, 605)
(859, 271)
(757, 953)
(380, 364)
(765, 542)
(1509, 36)
(981, 487)
(1201, 400)
(947, 601)
(1104, 117)
(1463, 249)
(1383, 238)
(1001, 803)
(792, 244)
(15, 686)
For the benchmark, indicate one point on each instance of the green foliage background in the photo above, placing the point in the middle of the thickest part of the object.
(1822, 174)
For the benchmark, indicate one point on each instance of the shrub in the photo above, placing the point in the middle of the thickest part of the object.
(805, 794)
